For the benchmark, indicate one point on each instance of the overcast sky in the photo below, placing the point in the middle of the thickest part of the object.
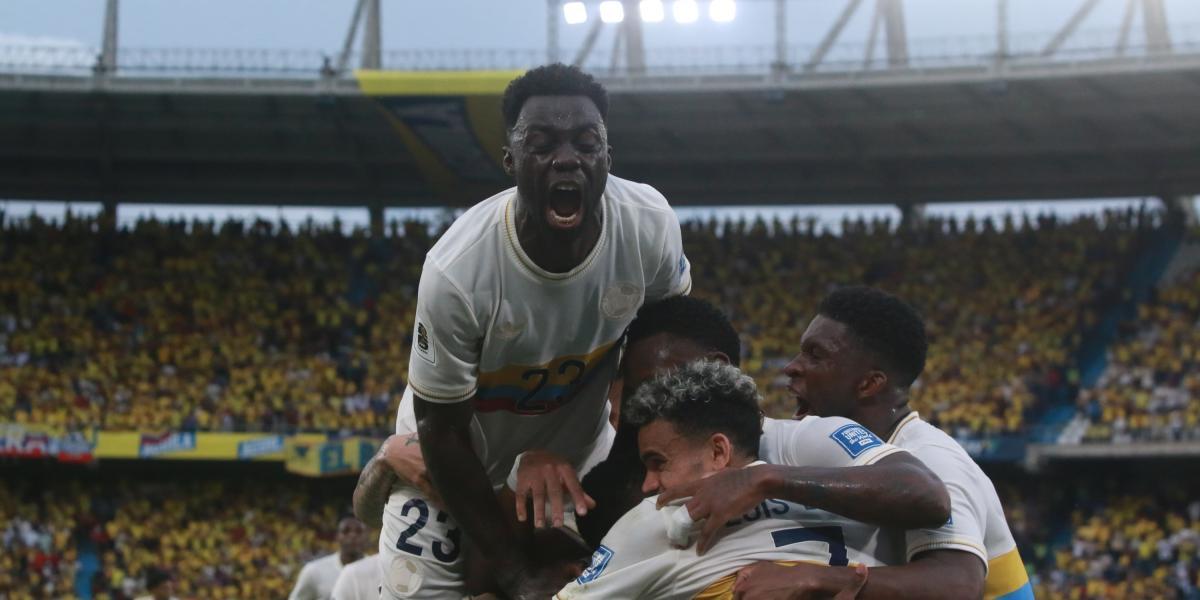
(476, 24)
(934, 27)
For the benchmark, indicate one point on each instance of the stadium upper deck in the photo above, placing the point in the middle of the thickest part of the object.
(951, 122)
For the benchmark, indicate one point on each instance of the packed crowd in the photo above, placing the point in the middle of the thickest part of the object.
(1100, 542)
(1085, 541)
(37, 550)
(226, 328)
(216, 540)
(1147, 391)
(263, 327)
(1005, 303)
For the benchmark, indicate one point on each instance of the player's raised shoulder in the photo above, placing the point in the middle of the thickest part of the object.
(469, 232)
(641, 196)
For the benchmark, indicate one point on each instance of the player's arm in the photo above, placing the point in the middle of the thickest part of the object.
(833, 464)
(899, 491)
(397, 461)
(673, 276)
(933, 575)
(459, 476)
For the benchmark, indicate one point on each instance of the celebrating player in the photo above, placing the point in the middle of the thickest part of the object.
(857, 359)
(701, 419)
(317, 577)
(892, 490)
(359, 580)
(519, 309)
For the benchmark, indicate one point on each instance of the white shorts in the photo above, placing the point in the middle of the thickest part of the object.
(420, 549)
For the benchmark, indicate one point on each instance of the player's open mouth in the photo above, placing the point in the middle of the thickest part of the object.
(802, 408)
(565, 208)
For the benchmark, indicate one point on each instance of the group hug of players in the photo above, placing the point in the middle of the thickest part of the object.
(511, 466)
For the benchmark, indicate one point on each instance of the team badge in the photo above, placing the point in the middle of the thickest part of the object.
(621, 300)
(425, 347)
(600, 560)
(855, 439)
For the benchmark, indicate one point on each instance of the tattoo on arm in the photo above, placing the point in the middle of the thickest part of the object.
(371, 493)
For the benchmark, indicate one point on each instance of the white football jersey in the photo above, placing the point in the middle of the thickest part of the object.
(359, 580)
(533, 350)
(317, 578)
(977, 523)
(643, 556)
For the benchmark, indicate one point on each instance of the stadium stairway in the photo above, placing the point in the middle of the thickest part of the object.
(89, 563)
(1162, 251)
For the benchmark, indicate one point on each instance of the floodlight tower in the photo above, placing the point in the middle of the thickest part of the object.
(627, 16)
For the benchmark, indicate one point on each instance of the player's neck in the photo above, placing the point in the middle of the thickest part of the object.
(883, 417)
(556, 251)
(349, 557)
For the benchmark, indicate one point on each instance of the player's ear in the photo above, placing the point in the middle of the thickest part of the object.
(610, 158)
(507, 162)
(873, 384)
(722, 450)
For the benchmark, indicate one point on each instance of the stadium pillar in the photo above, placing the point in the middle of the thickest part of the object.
(1181, 209)
(108, 215)
(552, 16)
(375, 211)
(1154, 19)
(912, 215)
(1001, 29)
(781, 62)
(108, 49)
(372, 45)
(635, 50)
(892, 13)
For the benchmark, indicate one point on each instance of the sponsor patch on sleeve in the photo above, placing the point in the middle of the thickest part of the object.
(425, 345)
(600, 560)
(855, 439)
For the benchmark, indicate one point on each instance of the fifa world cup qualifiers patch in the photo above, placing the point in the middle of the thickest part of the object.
(425, 347)
(600, 560)
(855, 439)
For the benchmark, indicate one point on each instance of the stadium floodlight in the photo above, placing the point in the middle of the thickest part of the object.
(652, 11)
(612, 11)
(722, 11)
(575, 13)
(685, 11)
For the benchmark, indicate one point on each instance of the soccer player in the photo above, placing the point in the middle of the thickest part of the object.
(359, 580)
(692, 422)
(519, 309)
(317, 577)
(892, 490)
(857, 359)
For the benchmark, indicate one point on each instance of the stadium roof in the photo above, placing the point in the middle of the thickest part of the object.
(1061, 127)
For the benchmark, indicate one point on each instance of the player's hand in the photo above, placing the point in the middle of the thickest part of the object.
(769, 581)
(402, 452)
(544, 476)
(720, 498)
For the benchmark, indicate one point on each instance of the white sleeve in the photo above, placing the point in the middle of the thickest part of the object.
(674, 274)
(633, 561)
(968, 507)
(444, 362)
(821, 442)
(305, 586)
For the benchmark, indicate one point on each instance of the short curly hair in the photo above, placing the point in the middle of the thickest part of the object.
(885, 325)
(551, 80)
(699, 399)
(690, 318)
